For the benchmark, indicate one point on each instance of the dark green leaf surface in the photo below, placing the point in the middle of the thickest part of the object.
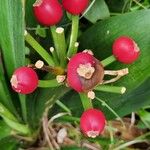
(99, 38)
(12, 34)
(99, 10)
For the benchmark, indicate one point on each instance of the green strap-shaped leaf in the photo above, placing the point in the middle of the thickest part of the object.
(12, 34)
(11, 39)
(5, 98)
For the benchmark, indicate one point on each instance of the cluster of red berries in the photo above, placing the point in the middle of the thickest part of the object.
(81, 72)
(124, 49)
(84, 71)
(25, 80)
(50, 12)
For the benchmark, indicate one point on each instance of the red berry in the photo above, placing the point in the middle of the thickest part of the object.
(84, 72)
(24, 80)
(92, 122)
(75, 7)
(125, 50)
(48, 12)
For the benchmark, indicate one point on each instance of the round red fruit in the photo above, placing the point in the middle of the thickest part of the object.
(92, 122)
(24, 80)
(48, 12)
(84, 72)
(125, 50)
(75, 7)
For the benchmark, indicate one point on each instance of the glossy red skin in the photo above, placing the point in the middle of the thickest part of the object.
(92, 120)
(72, 76)
(49, 12)
(125, 50)
(27, 80)
(75, 7)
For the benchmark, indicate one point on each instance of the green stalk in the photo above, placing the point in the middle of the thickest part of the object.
(111, 89)
(86, 102)
(48, 83)
(54, 55)
(54, 35)
(59, 43)
(109, 108)
(39, 49)
(73, 38)
(108, 60)
(62, 46)
(56, 43)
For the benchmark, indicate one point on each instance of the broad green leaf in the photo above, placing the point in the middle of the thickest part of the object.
(102, 35)
(97, 11)
(4, 130)
(12, 34)
(136, 25)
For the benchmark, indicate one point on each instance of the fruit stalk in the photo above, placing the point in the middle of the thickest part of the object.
(73, 38)
(108, 61)
(111, 89)
(86, 102)
(39, 49)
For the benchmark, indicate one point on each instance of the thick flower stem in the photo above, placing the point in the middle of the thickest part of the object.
(73, 38)
(62, 46)
(108, 60)
(54, 55)
(111, 89)
(39, 49)
(86, 102)
(48, 83)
